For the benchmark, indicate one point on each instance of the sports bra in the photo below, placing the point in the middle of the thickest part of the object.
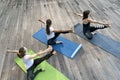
(86, 27)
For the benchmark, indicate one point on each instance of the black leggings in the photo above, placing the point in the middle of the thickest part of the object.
(30, 72)
(88, 33)
(52, 40)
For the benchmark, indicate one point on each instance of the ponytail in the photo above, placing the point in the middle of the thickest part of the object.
(47, 29)
(48, 24)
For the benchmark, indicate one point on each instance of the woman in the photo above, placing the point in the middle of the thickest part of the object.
(87, 29)
(52, 34)
(31, 63)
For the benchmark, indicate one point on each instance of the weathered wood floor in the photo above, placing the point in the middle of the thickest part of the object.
(18, 21)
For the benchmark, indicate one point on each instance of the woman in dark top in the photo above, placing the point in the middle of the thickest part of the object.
(87, 29)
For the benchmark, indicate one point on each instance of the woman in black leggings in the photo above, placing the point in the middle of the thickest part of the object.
(52, 34)
(87, 29)
(31, 63)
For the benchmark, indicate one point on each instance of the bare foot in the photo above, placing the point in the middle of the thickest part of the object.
(40, 70)
(108, 24)
(72, 30)
(59, 42)
(54, 53)
(94, 33)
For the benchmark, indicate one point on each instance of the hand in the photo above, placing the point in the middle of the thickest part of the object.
(39, 20)
(8, 51)
(78, 14)
(108, 24)
(54, 52)
(75, 13)
(50, 48)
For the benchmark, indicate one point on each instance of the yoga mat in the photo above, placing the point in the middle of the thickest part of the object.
(67, 48)
(100, 40)
(50, 72)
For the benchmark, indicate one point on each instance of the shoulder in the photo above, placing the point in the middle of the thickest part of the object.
(92, 20)
(51, 28)
(85, 21)
(89, 19)
(27, 56)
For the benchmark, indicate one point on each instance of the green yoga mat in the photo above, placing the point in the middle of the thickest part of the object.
(50, 72)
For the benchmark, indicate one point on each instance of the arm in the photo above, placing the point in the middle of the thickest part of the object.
(57, 31)
(12, 51)
(62, 31)
(94, 21)
(78, 14)
(41, 52)
(54, 30)
(41, 21)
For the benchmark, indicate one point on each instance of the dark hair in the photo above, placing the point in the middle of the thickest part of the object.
(85, 14)
(22, 52)
(48, 24)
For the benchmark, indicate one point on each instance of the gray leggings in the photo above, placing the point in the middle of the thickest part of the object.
(88, 33)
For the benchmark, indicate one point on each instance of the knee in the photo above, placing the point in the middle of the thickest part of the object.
(88, 35)
(50, 42)
(30, 77)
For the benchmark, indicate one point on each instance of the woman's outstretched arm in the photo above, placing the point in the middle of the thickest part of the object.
(41, 21)
(78, 14)
(12, 51)
(98, 22)
(41, 52)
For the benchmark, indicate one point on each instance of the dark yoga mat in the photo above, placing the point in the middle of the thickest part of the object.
(100, 40)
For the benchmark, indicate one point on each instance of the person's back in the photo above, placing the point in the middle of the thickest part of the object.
(52, 34)
(86, 27)
(28, 62)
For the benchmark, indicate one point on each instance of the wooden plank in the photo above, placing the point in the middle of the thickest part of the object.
(18, 21)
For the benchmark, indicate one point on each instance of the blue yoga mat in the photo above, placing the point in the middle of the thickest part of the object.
(67, 48)
(102, 41)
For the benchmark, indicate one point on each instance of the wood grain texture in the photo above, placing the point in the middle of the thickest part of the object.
(19, 20)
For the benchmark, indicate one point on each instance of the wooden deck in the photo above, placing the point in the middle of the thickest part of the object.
(18, 21)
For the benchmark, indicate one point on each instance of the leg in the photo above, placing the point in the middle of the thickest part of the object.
(30, 75)
(88, 35)
(63, 32)
(52, 41)
(35, 73)
(39, 60)
(56, 35)
(93, 28)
